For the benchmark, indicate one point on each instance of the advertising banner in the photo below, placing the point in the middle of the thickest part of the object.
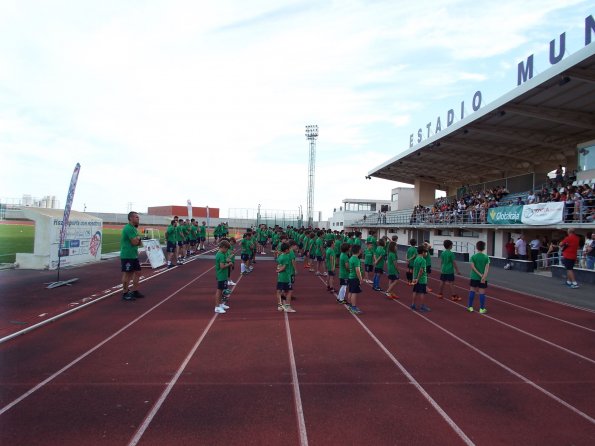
(505, 215)
(80, 243)
(69, 200)
(154, 253)
(543, 213)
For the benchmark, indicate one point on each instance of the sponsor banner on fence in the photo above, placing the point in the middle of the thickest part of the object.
(81, 242)
(505, 215)
(154, 253)
(543, 213)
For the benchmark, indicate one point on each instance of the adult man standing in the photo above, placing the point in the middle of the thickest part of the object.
(202, 234)
(171, 240)
(535, 248)
(569, 248)
(129, 243)
(521, 248)
(590, 251)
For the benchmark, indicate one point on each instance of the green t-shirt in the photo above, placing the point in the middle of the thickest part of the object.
(284, 276)
(291, 255)
(127, 251)
(170, 234)
(337, 247)
(392, 259)
(354, 263)
(369, 256)
(193, 232)
(380, 253)
(343, 271)
(202, 231)
(220, 273)
(447, 258)
(371, 239)
(179, 233)
(246, 245)
(428, 258)
(330, 259)
(480, 260)
(319, 244)
(420, 263)
(411, 255)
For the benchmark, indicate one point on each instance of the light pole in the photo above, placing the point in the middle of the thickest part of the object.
(258, 217)
(311, 135)
(300, 217)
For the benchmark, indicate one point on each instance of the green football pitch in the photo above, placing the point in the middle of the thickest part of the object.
(19, 238)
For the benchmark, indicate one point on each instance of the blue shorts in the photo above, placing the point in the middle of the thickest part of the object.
(447, 277)
(354, 286)
(568, 263)
(474, 283)
(284, 286)
(420, 288)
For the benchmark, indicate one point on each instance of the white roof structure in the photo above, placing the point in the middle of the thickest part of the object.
(535, 127)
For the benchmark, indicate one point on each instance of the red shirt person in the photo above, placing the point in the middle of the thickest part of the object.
(569, 247)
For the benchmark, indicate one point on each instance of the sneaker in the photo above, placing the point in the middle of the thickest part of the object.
(413, 307)
(424, 309)
(455, 298)
(169, 266)
(287, 308)
(129, 295)
(280, 307)
(219, 310)
(325, 274)
(574, 286)
(341, 302)
(470, 309)
(377, 289)
(138, 294)
(355, 310)
(225, 307)
(483, 311)
(231, 283)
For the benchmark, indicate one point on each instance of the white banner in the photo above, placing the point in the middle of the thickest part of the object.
(543, 213)
(69, 200)
(81, 242)
(154, 253)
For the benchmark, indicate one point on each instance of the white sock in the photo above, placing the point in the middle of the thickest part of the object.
(342, 292)
(243, 268)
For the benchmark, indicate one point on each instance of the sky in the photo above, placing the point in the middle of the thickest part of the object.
(162, 101)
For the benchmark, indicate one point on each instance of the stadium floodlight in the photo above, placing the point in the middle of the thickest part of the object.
(311, 135)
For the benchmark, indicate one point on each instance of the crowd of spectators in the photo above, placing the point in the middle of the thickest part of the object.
(472, 205)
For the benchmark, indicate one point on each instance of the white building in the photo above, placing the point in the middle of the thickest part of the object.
(354, 209)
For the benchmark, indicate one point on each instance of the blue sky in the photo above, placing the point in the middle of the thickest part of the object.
(164, 101)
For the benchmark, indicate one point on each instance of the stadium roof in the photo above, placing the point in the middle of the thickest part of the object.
(534, 127)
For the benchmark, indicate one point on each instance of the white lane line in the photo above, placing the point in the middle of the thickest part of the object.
(107, 294)
(145, 424)
(296, 388)
(418, 386)
(504, 366)
(454, 426)
(520, 330)
(88, 352)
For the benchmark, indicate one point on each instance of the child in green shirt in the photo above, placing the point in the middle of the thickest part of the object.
(480, 266)
(420, 280)
(222, 264)
(393, 272)
(410, 257)
(447, 270)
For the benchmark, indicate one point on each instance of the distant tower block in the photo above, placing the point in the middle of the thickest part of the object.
(311, 135)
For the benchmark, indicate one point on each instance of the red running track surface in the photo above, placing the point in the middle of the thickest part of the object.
(165, 370)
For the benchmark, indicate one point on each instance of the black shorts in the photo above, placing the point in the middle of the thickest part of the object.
(330, 272)
(428, 269)
(293, 278)
(192, 242)
(393, 277)
(474, 283)
(420, 288)
(262, 243)
(130, 265)
(222, 284)
(447, 277)
(180, 243)
(378, 271)
(568, 263)
(343, 281)
(245, 257)
(202, 239)
(284, 286)
(319, 258)
(354, 286)
(312, 257)
(171, 247)
(369, 268)
(300, 245)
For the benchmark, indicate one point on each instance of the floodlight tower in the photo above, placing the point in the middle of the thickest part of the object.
(311, 135)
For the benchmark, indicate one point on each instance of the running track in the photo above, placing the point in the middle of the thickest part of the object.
(166, 370)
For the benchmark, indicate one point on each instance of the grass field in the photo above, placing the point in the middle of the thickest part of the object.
(19, 238)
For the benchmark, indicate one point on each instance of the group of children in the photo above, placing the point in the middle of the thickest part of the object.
(343, 252)
(184, 238)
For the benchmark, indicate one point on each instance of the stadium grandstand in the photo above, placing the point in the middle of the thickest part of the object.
(530, 150)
